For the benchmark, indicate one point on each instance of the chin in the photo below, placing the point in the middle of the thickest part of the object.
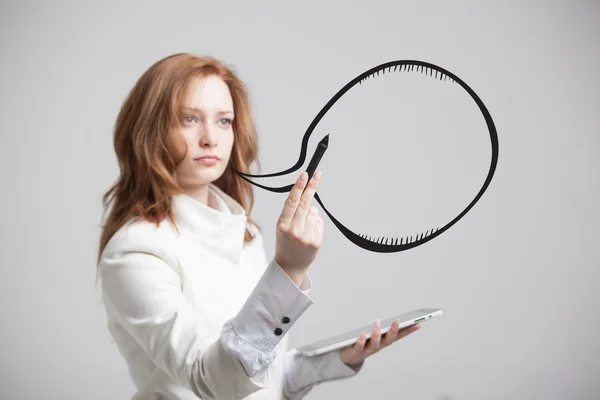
(209, 176)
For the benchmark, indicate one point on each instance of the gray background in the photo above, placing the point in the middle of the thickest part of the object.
(517, 275)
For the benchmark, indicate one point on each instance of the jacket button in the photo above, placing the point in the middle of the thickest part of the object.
(285, 320)
(278, 331)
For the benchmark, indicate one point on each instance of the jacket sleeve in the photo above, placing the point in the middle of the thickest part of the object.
(302, 373)
(275, 297)
(272, 308)
(142, 289)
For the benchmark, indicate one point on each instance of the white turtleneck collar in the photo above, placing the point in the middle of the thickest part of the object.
(221, 230)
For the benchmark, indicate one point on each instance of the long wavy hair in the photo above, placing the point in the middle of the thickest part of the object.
(149, 149)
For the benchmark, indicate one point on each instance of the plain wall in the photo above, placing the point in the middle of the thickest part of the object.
(517, 276)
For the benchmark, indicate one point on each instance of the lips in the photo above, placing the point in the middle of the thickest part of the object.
(207, 158)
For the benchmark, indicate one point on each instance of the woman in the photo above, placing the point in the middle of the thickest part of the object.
(194, 306)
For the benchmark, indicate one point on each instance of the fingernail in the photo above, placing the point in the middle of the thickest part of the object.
(303, 177)
(318, 175)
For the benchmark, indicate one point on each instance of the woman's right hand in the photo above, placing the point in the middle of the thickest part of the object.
(299, 229)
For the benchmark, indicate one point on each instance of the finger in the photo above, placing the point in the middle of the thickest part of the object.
(359, 346)
(291, 203)
(375, 341)
(318, 232)
(311, 221)
(317, 218)
(390, 335)
(407, 331)
(305, 202)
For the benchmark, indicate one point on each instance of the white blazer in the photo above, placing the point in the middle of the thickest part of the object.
(198, 315)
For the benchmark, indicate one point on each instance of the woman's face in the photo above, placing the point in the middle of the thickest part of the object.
(207, 129)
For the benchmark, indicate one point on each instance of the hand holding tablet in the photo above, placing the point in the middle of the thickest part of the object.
(355, 354)
(356, 345)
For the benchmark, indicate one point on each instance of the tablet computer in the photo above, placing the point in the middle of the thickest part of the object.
(350, 337)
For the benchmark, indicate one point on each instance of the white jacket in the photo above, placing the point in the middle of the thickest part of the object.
(196, 314)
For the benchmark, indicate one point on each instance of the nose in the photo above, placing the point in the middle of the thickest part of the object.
(208, 136)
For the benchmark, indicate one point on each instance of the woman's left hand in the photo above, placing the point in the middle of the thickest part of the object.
(354, 355)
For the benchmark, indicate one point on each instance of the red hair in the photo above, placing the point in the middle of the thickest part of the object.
(148, 149)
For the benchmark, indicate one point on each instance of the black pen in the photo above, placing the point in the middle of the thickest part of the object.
(316, 158)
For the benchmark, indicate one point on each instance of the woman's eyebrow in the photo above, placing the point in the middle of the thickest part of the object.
(200, 110)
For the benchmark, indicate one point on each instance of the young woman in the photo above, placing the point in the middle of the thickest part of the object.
(194, 306)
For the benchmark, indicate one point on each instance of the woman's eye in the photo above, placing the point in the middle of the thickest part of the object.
(225, 121)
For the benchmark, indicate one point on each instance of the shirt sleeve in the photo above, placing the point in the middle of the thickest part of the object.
(270, 311)
(141, 288)
(302, 373)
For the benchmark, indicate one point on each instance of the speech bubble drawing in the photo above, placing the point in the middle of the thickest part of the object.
(383, 244)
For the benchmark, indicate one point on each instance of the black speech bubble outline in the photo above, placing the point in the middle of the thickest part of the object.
(381, 245)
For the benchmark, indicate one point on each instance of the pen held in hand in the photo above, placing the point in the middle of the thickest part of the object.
(316, 158)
